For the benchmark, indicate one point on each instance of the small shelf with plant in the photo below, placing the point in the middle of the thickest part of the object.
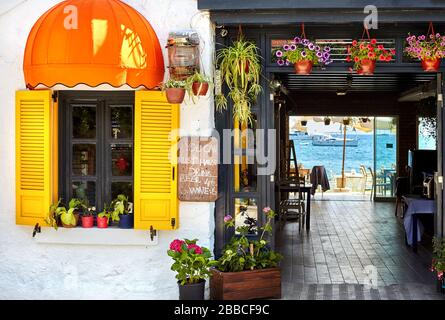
(174, 90)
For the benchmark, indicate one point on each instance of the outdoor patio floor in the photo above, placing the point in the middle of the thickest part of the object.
(347, 238)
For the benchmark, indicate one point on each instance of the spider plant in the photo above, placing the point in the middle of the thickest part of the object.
(240, 69)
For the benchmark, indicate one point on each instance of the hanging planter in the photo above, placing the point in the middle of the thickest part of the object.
(304, 54)
(240, 69)
(199, 83)
(429, 49)
(327, 121)
(304, 123)
(364, 54)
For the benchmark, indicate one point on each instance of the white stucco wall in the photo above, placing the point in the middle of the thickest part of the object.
(31, 270)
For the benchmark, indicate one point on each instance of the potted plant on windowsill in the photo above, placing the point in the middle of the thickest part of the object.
(104, 217)
(438, 264)
(429, 49)
(174, 90)
(304, 54)
(53, 216)
(247, 269)
(240, 69)
(122, 212)
(76, 207)
(88, 217)
(191, 263)
(365, 53)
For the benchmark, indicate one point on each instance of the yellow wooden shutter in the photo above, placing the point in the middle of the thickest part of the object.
(35, 156)
(155, 183)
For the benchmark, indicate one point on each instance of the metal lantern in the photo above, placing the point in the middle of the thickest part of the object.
(183, 54)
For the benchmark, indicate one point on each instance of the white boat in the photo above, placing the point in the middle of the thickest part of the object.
(328, 140)
(299, 135)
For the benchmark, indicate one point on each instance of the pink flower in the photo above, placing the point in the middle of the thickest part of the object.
(197, 249)
(176, 245)
(228, 218)
(266, 209)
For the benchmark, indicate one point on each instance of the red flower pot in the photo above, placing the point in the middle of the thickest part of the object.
(431, 65)
(303, 67)
(102, 222)
(367, 67)
(87, 221)
(200, 88)
(175, 95)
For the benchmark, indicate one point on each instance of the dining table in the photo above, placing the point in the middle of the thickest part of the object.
(292, 186)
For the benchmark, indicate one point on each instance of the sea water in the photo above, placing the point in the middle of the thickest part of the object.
(363, 154)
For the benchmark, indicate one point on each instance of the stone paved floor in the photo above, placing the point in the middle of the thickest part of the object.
(355, 250)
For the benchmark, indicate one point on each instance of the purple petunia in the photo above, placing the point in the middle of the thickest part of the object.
(293, 47)
(437, 35)
(319, 54)
(305, 42)
(287, 62)
(317, 48)
(303, 54)
(326, 55)
(311, 46)
(280, 62)
(286, 47)
(279, 53)
(327, 49)
(297, 40)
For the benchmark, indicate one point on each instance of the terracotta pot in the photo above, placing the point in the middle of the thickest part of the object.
(87, 221)
(200, 88)
(175, 95)
(431, 65)
(77, 217)
(368, 67)
(303, 67)
(102, 222)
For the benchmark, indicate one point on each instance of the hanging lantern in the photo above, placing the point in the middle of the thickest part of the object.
(183, 54)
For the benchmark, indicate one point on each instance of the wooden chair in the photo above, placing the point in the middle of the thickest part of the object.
(293, 208)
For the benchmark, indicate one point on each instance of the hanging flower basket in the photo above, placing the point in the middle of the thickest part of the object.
(364, 54)
(429, 49)
(304, 54)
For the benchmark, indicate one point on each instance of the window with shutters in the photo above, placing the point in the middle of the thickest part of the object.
(96, 145)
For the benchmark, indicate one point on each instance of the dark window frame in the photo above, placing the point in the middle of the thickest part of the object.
(103, 100)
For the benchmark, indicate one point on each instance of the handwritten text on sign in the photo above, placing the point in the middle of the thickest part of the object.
(198, 169)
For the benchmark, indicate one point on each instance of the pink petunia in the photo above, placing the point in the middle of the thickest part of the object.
(197, 249)
(228, 218)
(266, 209)
(176, 245)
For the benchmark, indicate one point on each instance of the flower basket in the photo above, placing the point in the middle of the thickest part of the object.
(429, 49)
(365, 52)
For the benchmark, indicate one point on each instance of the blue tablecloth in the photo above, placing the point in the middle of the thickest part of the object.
(416, 206)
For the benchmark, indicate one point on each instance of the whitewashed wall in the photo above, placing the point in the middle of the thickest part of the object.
(31, 270)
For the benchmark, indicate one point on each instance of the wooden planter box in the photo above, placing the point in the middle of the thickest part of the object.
(245, 285)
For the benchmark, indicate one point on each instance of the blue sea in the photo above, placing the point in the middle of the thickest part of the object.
(331, 156)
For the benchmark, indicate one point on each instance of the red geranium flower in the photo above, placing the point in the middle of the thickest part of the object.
(197, 248)
(176, 245)
(370, 47)
(381, 47)
(354, 43)
(371, 55)
(356, 59)
(388, 58)
(393, 51)
(348, 59)
(382, 57)
(362, 46)
(373, 41)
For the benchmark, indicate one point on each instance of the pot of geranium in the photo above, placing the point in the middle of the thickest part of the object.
(240, 69)
(438, 263)
(327, 121)
(191, 263)
(88, 218)
(247, 269)
(199, 84)
(365, 53)
(122, 212)
(104, 217)
(304, 54)
(174, 90)
(429, 49)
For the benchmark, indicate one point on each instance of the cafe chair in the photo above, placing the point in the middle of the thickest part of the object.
(295, 209)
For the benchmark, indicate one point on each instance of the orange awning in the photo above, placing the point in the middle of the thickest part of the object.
(112, 44)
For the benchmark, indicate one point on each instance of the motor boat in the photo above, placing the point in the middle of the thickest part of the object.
(328, 140)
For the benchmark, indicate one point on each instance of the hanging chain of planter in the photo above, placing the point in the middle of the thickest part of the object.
(365, 52)
(429, 49)
(303, 53)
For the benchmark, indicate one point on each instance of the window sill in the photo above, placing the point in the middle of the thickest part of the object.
(95, 236)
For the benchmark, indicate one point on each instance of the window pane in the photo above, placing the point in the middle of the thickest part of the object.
(122, 159)
(85, 190)
(84, 122)
(245, 172)
(121, 122)
(84, 159)
(125, 188)
(427, 133)
(246, 215)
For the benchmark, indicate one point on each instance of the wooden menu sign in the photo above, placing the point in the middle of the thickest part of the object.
(198, 169)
